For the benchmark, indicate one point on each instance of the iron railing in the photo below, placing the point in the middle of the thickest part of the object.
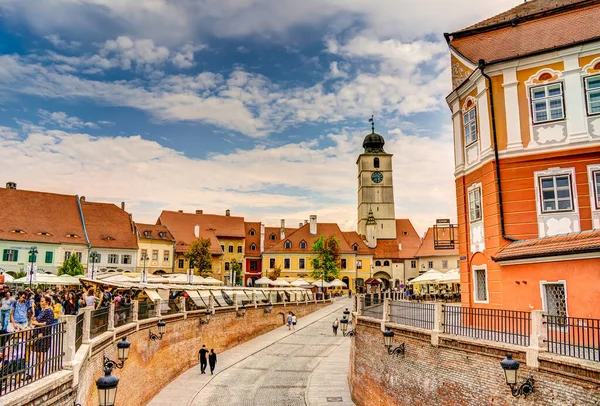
(169, 306)
(79, 330)
(574, 337)
(413, 314)
(123, 315)
(146, 310)
(99, 321)
(368, 300)
(29, 355)
(507, 326)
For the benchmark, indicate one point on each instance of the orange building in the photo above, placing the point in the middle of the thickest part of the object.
(526, 113)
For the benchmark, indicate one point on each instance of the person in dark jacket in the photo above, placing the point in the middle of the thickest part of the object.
(202, 353)
(212, 360)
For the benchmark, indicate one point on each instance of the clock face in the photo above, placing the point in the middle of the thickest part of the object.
(377, 177)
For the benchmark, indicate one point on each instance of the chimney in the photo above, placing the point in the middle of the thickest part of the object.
(11, 185)
(282, 231)
(262, 238)
(197, 231)
(305, 221)
(199, 211)
(179, 211)
(228, 212)
(82, 199)
(300, 225)
(123, 206)
(313, 224)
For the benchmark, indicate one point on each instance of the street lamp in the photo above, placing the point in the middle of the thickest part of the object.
(242, 311)
(511, 370)
(161, 330)
(207, 314)
(32, 257)
(107, 384)
(388, 342)
(344, 325)
(94, 257)
(269, 307)
(347, 314)
(144, 259)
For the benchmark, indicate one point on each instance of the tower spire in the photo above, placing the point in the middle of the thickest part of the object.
(372, 121)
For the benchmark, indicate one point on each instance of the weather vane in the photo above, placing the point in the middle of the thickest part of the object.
(372, 121)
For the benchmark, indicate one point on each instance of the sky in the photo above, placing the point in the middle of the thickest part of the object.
(257, 106)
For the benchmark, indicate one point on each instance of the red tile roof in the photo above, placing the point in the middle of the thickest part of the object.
(269, 231)
(575, 243)
(211, 226)
(34, 213)
(528, 37)
(108, 226)
(155, 230)
(352, 238)
(427, 248)
(303, 234)
(406, 238)
(252, 239)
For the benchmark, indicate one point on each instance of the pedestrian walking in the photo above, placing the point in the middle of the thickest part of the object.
(336, 324)
(202, 353)
(294, 320)
(20, 313)
(289, 320)
(7, 302)
(212, 360)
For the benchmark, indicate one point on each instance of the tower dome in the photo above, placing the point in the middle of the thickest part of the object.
(373, 142)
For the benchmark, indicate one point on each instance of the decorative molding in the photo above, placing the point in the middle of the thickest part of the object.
(593, 204)
(589, 68)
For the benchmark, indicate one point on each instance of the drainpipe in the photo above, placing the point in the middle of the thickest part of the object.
(497, 159)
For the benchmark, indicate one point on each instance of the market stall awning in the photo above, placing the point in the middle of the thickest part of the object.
(431, 276)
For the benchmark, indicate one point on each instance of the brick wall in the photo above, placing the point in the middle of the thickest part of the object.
(457, 372)
(154, 364)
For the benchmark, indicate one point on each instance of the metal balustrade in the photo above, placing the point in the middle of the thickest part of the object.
(574, 337)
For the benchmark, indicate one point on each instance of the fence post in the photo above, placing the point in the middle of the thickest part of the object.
(438, 323)
(69, 338)
(157, 309)
(211, 304)
(387, 309)
(235, 304)
(182, 305)
(283, 299)
(135, 308)
(254, 302)
(87, 324)
(537, 340)
(360, 302)
(111, 317)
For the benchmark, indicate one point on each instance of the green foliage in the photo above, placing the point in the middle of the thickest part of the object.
(200, 257)
(19, 274)
(327, 259)
(237, 268)
(71, 266)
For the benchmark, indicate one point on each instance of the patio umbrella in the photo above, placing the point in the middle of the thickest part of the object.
(431, 276)
(300, 282)
(337, 282)
(263, 281)
(452, 276)
(211, 281)
(280, 282)
(8, 278)
(321, 284)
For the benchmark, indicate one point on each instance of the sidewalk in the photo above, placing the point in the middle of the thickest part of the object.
(186, 388)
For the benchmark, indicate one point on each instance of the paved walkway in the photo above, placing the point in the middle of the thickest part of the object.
(302, 367)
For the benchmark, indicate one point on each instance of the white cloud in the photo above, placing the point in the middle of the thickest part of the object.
(55, 40)
(153, 177)
(185, 57)
(63, 120)
(141, 52)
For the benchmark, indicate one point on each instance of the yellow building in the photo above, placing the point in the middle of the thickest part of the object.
(156, 249)
(293, 255)
(429, 256)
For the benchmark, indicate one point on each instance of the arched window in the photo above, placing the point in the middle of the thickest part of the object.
(377, 263)
(288, 244)
(252, 232)
(376, 163)
(355, 247)
(302, 244)
(386, 263)
(253, 247)
(273, 236)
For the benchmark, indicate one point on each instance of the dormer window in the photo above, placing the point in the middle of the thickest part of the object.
(288, 244)
(162, 234)
(355, 247)
(147, 233)
(302, 244)
(252, 232)
(17, 231)
(108, 238)
(273, 237)
(253, 247)
(44, 233)
(71, 235)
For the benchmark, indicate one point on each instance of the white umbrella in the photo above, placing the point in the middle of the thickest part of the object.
(211, 281)
(280, 282)
(300, 282)
(452, 276)
(263, 281)
(337, 282)
(431, 276)
(321, 283)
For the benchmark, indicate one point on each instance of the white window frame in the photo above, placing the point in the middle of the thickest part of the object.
(471, 194)
(252, 247)
(252, 232)
(430, 264)
(155, 257)
(444, 264)
(555, 189)
(538, 191)
(588, 92)
(413, 264)
(547, 98)
(288, 244)
(166, 255)
(469, 120)
(124, 256)
(487, 283)
(594, 170)
(543, 293)
(115, 257)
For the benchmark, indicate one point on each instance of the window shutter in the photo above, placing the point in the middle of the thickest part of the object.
(49, 257)
(16, 257)
(5, 255)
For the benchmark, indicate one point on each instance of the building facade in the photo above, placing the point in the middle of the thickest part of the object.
(156, 249)
(431, 256)
(526, 115)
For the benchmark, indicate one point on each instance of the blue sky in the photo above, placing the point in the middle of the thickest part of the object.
(258, 106)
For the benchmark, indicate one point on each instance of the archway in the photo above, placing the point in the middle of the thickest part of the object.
(384, 277)
(159, 272)
(346, 280)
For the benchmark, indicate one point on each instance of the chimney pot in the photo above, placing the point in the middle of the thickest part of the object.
(179, 211)
(227, 212)
(300, 225)
(11, 185)
(123, 206)
(282, 231)
(199, 211)
(305, 221)
(82, 199)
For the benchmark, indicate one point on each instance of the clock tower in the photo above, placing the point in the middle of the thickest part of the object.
(376, 189)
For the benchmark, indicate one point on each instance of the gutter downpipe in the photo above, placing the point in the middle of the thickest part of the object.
(496, 157)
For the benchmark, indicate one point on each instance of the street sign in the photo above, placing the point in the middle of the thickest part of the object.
(464, 257)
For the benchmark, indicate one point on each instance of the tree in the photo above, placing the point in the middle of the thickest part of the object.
(200, 257)
(71, 266)
(236, 268)
(326, 263)
(275, 273)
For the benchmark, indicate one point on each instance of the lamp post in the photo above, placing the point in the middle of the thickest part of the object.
(206, 318)
(511, 372)
(161, 330)
(94, 257)
(269, 307)
(144, 259)
(388, 342)
(32, 257)
(344, 325)
(107, 384)
(242, 311)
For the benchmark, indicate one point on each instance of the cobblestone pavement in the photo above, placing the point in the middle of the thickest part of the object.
(277, 368)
